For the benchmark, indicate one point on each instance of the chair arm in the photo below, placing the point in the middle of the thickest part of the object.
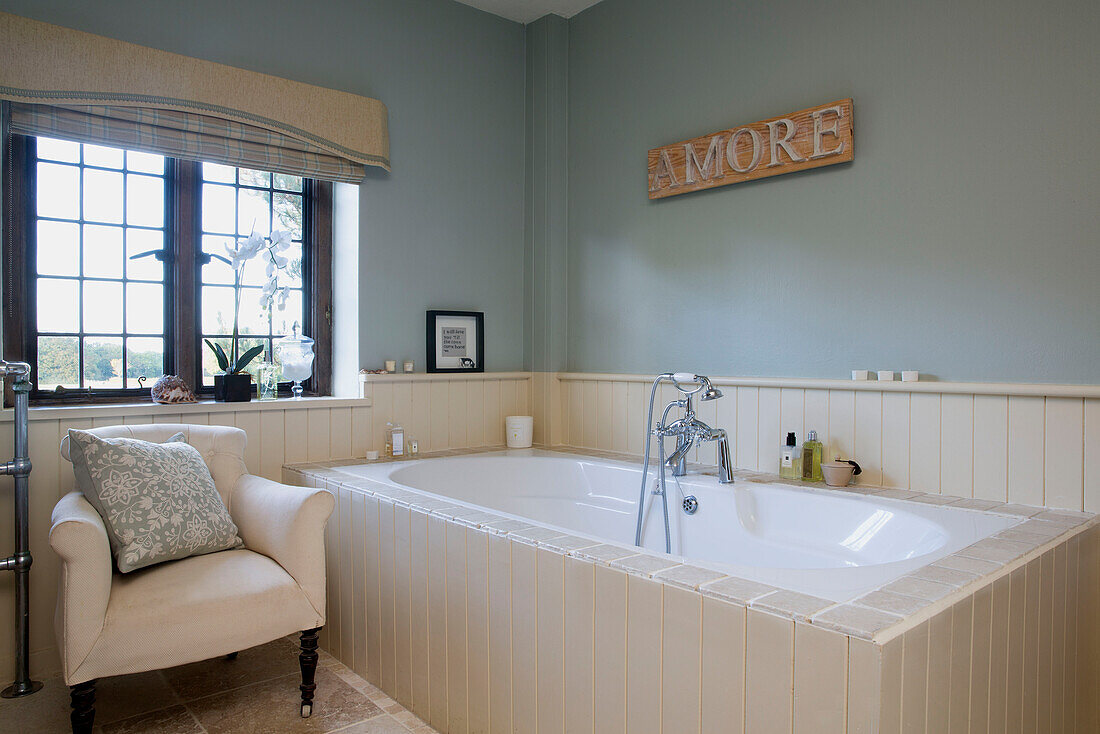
(77, 535)
(287, 524)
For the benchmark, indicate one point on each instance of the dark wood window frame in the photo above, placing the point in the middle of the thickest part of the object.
(182, 281)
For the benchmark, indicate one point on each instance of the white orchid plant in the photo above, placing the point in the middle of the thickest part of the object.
(270, 250)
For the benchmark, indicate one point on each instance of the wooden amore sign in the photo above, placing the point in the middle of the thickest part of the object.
(819, 136)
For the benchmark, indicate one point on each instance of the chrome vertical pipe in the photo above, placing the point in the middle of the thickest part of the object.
(20, 562)
(645, 462)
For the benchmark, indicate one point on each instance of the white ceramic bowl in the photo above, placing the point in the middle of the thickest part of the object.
(837, 473)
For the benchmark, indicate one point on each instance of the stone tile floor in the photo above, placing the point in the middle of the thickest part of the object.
(255, 694)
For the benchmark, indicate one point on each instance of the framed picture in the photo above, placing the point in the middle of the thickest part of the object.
(456, 341)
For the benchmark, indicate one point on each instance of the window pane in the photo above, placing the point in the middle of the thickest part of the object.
(210, 365)
(102, 196)
(58, 251)
(288, 182)
(88, 305)
(288, 214)
(218, 209)
(102, 251)
(216, 271)
(103, 362)
(253, 318)
(58, 191)
(218, 172)
(291, 275)
(253, 212)
(144, 358)
(58, 362)
(217, 310)
(144, 162)
(102, 307)
(263, 201)
(144, 308)
(145, 201)
(58, 305)
(148, 267)
(282, 320)
(98, 155)
(255, 270)
(58, 150)
(254, 178)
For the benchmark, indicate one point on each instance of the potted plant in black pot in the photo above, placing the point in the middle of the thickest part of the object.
(234, 384)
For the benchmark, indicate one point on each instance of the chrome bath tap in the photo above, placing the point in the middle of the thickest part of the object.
(689, 431)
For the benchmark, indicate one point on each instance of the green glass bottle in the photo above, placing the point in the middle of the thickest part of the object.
(811, 458)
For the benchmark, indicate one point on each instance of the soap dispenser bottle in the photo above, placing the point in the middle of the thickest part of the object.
(395, 440)
(811, 458)
(790, 461)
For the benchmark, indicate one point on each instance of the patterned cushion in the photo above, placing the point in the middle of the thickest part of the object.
(158, 501)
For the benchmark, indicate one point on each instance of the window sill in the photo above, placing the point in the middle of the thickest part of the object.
(104, 410)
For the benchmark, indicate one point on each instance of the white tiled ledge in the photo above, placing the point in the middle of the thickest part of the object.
(442, 376)
(70, 412)
(925, 386)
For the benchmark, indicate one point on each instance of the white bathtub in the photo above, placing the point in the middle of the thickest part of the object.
(830, 544)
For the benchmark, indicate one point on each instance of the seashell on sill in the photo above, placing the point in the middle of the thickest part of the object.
(169, 389)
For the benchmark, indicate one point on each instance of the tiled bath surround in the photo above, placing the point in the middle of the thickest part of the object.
(482, 623)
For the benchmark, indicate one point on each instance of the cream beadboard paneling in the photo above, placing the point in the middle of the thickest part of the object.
(1026, 443)
(511, 632)
(278, 431)
(448, 411)
(441, 411)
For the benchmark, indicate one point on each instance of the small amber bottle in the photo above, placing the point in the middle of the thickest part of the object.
(395, 440)
(811, 458)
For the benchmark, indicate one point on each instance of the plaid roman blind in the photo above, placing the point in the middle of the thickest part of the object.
(187, 135)
(76, 85)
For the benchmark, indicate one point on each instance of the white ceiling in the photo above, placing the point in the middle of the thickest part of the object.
(525, 11)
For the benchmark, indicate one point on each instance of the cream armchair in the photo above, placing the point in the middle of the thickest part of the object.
(200, 607)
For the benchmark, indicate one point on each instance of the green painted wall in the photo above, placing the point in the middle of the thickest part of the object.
(546, 317)
(963, 241)
(445, 229)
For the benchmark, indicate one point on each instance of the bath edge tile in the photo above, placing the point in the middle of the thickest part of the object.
(855, 620)
(687, 577)
(643, 564)
(791, 604)
(737, 590)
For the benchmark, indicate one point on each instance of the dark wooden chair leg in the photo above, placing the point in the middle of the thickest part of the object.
(307, 659)
(231, 656)
(82, 697)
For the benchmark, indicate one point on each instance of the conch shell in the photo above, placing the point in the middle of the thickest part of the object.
(172, 389)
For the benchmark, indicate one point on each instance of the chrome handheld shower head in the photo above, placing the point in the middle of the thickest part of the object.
(699, 383)
(710, 392)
